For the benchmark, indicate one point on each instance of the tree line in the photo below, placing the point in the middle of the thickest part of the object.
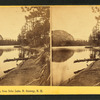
(9, 42)
(73, 43)
(77, 43)
(94, 39)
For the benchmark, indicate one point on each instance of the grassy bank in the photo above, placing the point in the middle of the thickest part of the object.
(87, 77)
(34, 71)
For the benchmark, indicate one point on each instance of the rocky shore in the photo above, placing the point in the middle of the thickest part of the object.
(90, 76)
(34, 71)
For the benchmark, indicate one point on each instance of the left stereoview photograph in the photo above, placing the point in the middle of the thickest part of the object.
(24, 45)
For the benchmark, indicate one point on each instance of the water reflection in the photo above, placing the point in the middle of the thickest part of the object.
(94, 53)
(5, 50)
(63, 62)
(9, 52)
(24, 53)
(61, 55)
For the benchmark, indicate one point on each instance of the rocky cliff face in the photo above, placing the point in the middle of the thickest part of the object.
(61, 38)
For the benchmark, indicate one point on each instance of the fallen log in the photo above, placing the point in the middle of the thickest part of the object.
(78, 71)
(8, 70)
(83, 60)
(15, 59)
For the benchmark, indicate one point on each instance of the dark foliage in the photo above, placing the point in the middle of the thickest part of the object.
(35, 32)
(8, 42)
(74, 43)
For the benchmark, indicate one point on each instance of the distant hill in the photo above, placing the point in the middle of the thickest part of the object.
(61, 38)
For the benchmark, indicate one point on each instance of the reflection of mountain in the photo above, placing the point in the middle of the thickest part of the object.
(61, 55)
(1, 52)
(61, 38)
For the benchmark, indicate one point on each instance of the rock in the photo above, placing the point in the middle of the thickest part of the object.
(61, 38)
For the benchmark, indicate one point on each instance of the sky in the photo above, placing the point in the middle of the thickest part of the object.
(11, 21)
(76, 20)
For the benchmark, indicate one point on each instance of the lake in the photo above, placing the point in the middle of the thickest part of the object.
(63, 66)
(9, 52)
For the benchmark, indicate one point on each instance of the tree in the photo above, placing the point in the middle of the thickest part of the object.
(94, 38)
(37, 26)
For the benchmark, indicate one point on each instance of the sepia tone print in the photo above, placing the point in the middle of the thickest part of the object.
(75, 45)
(25, 46)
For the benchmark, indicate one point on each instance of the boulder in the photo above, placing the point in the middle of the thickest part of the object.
(61, 38)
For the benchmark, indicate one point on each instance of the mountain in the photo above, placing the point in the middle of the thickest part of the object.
(61, 38)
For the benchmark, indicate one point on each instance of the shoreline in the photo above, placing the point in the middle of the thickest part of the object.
(34, 71)
(88, 77)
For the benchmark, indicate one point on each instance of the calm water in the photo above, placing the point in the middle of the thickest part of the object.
(63, 61)
(9, 52)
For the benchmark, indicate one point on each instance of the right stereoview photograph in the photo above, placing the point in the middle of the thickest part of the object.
(75, 45)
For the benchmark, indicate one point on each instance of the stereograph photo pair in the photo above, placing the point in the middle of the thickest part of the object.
(50, 46)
